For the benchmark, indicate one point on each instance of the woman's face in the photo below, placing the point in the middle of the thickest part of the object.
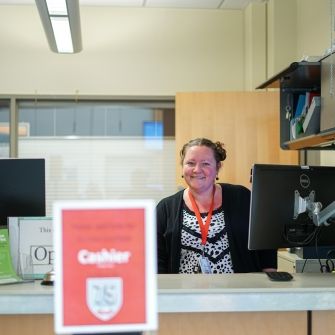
(200, 168)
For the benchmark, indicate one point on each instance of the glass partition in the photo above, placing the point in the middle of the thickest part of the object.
(4, 128)
(97, 150)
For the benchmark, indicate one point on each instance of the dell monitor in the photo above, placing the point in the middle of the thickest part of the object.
(292, 206)
(22, 188)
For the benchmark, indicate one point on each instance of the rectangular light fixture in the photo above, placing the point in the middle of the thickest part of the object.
(61, 23)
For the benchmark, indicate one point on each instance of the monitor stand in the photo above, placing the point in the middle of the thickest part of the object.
(310, 252)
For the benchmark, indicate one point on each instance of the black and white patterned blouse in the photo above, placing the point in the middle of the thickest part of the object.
(216, 248)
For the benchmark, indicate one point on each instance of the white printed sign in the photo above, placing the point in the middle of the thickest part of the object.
(31, 241)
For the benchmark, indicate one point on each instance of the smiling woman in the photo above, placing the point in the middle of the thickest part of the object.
(201, 161)
(204, 228)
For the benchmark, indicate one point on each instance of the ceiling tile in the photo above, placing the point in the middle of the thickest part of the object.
(206, 4)
(116, 3)
(235, 4)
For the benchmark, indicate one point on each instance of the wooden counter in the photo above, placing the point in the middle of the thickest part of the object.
(197, 304)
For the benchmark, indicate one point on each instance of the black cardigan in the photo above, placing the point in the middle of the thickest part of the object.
(236, 206)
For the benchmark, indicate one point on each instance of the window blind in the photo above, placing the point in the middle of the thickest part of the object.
(104, 168)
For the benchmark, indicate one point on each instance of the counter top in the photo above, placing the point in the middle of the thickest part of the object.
(201, 293)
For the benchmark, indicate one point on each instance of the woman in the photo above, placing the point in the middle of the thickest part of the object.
(204, 228)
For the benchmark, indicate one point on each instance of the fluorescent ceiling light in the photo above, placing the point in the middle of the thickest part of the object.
(62, 33)
(61, 23)
(57, 7)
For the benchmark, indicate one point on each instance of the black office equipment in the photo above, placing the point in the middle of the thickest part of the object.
(22, 188)
(279, 276)
(292, 206)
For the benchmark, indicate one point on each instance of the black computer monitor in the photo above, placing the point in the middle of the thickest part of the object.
(22, 188)
(284, 209)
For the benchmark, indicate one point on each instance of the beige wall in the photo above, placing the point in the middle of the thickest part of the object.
(313, 27)
(314, 32)
(279, 32)
(255, 45)
(282, 34)
(296, 28)
(131, 51)
(125, 52)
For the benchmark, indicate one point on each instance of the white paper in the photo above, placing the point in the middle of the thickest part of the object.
(31, 239)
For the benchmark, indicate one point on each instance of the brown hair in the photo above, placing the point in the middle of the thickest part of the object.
(217, 147)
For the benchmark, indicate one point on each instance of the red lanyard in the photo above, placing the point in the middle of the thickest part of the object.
(203, 226)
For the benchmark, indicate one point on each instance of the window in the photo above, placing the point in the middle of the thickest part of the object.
(4, 128)
(101, 150)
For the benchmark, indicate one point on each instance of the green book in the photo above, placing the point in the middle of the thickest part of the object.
(7, 272)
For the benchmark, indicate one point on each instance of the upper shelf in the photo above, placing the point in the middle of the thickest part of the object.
(323, 140)
(298, 78)
(304, 75)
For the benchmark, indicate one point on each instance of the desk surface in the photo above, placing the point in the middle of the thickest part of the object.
(201, 293)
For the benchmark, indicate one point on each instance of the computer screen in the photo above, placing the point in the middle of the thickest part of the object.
(287, 204)
(22, 188)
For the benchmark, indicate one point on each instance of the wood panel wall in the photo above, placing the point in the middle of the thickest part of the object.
(234, 323)
(246, 122)
(246, 323)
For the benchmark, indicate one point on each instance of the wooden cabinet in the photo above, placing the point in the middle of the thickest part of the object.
(328, 94)
(294, 82)
(301, 78)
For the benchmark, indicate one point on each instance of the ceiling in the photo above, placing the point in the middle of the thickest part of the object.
(190, 4)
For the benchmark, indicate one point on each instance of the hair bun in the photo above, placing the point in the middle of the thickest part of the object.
(221, 151)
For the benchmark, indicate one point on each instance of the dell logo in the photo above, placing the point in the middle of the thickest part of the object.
(304, 181)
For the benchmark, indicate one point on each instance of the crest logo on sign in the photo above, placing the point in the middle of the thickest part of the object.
(104, 296)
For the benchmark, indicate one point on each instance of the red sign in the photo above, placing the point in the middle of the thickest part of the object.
(105, 266)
